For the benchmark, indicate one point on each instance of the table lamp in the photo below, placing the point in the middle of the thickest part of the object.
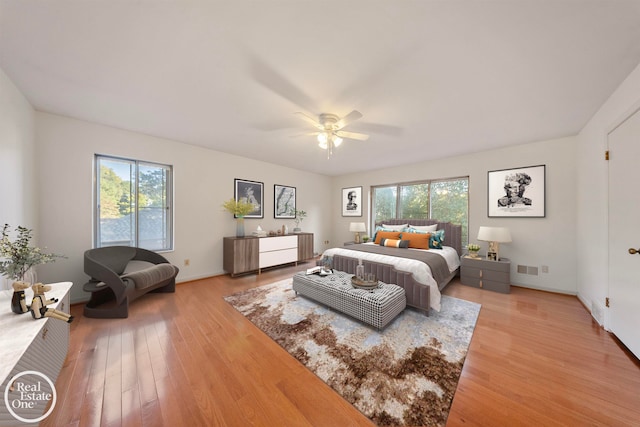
(495, 236)
(357, 227)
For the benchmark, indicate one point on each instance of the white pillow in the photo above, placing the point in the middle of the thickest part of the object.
(395, 227)
(432, 227)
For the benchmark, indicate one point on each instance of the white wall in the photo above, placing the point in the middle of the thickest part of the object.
(536, 242)
(18, 195)
(592, 214)
(203, 179)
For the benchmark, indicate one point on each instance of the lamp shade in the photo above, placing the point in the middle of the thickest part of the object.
(494, 234)
(356, 227)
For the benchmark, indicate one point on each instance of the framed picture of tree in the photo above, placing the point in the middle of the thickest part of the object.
(517, 192)
(250, 192)
(284, 201)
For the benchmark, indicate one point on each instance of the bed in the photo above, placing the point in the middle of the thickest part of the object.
(422, 273)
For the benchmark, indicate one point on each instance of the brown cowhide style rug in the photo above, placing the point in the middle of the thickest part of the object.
(404, 375)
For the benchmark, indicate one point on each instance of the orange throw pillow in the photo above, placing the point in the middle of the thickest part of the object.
(387, 235)
(417, 240)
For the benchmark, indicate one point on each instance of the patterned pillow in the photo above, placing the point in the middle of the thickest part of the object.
(436, 240)
(394, 243)
(386, 235)
(417, 240)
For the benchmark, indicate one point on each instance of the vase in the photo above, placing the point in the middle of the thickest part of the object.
(240, 226)
(473, 254)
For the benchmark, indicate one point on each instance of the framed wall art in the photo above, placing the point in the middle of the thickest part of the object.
(284, 201)
(518, 192)
(352, 201)
(250, 192)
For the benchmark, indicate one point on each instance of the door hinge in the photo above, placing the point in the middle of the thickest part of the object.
(606, 155)
(606, 302)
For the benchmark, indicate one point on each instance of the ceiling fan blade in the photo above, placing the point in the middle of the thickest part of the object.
(352, 135)
(351, 117)
(309, 119)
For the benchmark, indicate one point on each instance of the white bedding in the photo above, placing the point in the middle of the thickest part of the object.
(420, 271)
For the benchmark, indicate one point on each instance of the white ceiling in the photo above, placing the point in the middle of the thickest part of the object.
(432, 78)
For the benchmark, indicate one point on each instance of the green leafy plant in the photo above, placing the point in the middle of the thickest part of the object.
(299, 216)
(18, 256)
(473, 248)
(366, 238)
(238, 208)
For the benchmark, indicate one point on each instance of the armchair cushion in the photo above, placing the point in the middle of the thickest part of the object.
(151, 276)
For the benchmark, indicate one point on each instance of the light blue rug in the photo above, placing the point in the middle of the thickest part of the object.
(405, 374)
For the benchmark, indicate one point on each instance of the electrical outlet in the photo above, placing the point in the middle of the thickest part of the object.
(545, 268)
(187, 262)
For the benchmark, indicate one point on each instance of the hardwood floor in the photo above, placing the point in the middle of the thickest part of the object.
(189, 358)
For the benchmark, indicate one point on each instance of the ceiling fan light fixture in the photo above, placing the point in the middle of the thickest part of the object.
(336, 140)
(322, 139)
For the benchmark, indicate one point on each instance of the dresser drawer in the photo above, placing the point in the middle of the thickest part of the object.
(268, 259)
(481, 273)
(492, 285)
(277, 243)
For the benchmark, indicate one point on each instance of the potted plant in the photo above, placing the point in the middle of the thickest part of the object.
(473, 250)
(299, 216)
(365, 238)
(18, 257)
(239, 209)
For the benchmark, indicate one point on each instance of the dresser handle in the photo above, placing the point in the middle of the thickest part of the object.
(44, 333)
(480, 273)
(480, 283)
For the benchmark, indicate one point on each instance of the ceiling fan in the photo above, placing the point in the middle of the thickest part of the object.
(330, 133)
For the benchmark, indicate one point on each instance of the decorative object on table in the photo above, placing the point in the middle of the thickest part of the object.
(368, 282)
(298, 216)
(352, 201)
(259, 232)
(18, 300)
(365, 238)
(361, 363)
(473, 250)
(284, 202)
(517, 192)
(39, 309)
(19, 258)
(239, 209)
(251, 192)
(357, 228)
(495, 236)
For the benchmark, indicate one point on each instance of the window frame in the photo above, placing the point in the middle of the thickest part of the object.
(169, 207)
(398, 188)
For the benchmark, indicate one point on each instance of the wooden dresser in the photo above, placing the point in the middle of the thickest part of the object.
(249, 254)
(28, 344)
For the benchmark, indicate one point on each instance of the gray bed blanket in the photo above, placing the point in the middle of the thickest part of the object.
(437, 263)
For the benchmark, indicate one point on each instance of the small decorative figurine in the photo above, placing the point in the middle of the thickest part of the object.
(18, 301)
(39, 305)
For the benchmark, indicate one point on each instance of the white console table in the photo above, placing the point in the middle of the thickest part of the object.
(28, 344)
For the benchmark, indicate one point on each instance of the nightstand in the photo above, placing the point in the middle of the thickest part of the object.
(349, 243)
(486, 274)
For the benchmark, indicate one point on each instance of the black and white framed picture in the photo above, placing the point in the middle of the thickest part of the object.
(352, 201)
(250, 192)
(284, 201)
(517, 192)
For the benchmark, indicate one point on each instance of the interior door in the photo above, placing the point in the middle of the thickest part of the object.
(624, 233)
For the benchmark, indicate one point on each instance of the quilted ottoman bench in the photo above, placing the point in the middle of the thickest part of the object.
(376, 307)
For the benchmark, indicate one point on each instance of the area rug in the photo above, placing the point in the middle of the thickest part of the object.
(404, 375)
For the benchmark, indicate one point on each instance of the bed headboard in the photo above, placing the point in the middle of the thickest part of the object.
(452, 232)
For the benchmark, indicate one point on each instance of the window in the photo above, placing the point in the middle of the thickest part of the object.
(444, 200)
(133, 204)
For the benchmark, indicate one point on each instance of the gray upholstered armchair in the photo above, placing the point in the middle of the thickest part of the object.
(120, 274)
